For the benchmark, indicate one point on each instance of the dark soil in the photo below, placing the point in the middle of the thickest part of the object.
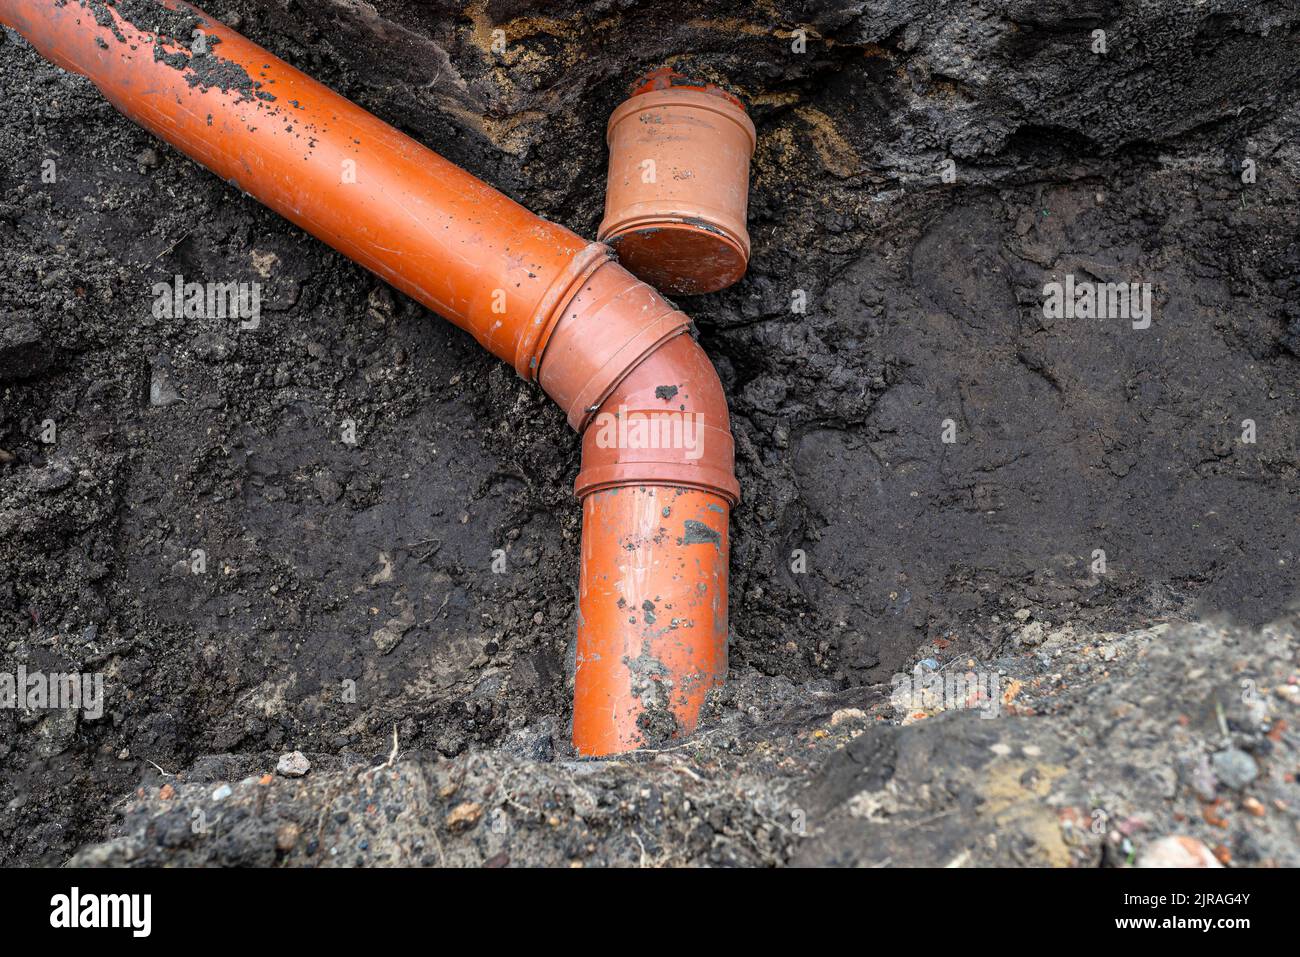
(864, 543)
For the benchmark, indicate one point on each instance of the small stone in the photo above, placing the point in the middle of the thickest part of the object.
(1021, 614)
(1212, 813)
(1200, 778)
(388, 637)
(1235, 768)
(293, 765)
(1032, 634)
(286, 836)
(166, 792)
(161, 391)
(124, 754)
(538, 618)
(23, 352)
(148, 158)
(847, 714)
(1289, 693)
(1254, 807)
(464, 816)
(381, 301)
(223, 792)
(52, 478)
(326, 487)
(1177, 851)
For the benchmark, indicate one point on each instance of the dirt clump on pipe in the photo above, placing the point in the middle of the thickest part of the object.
(351, 459)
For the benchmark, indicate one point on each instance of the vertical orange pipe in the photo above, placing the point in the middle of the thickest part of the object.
(652, 630)
(652, 601)
(605, 346)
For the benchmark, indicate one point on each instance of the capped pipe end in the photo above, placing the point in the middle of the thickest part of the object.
(669, 78)
(677, 194)
(685, 257)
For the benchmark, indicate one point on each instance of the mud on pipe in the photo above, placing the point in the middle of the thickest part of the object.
(652, 610)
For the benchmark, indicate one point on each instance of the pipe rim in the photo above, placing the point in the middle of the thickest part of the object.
(601, 386)
(687, 98)
(707, 223)
(602, 478)
(532, 345)
(720, 260)
(668, 77)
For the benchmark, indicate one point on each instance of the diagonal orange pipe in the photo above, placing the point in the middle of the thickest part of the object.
(657, 479)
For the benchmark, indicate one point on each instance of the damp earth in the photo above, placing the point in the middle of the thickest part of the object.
(349, 532)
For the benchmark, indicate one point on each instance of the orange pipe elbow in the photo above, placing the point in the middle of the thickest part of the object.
(657, 487)
(657, 479)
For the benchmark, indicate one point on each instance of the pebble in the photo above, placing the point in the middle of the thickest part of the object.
(1289, 693)
(223, 792)
(1201, 779)
(1177, 851)
(464, 816)
(847, 714)
(286, 836)
(161, 391)
(1235, 768)
(293, 765)
(1032, 634)
(53, 478)
(326, 487)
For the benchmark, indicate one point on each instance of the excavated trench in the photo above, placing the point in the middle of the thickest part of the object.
(383, 512)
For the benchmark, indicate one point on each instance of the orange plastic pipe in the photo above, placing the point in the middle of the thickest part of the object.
(657, 478)
(678, 186)
(652, 601)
